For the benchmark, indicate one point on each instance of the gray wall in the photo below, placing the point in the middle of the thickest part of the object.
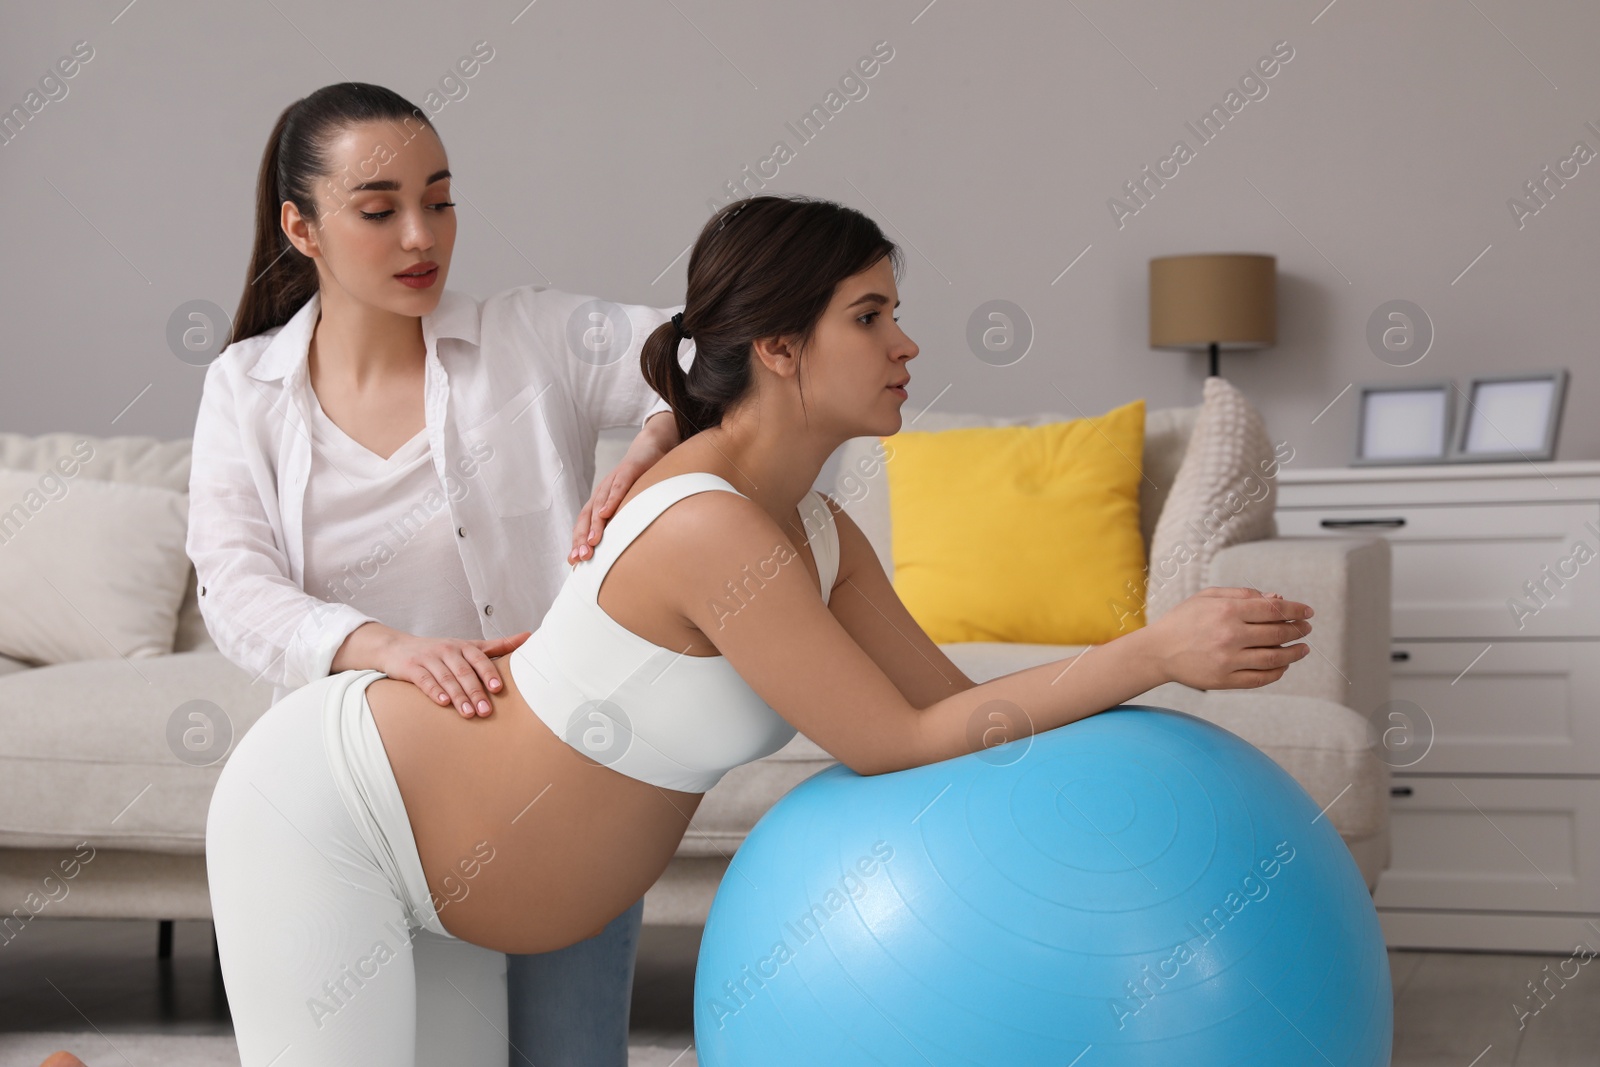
(1378, 166)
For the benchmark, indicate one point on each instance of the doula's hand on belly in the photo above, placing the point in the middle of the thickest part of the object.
(450, 670)
(527, 844)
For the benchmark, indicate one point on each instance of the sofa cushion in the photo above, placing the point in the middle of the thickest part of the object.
(992, 526)
(86, 755)
(91, 568)
(861, 484)
(1224, 494)
(141, 460)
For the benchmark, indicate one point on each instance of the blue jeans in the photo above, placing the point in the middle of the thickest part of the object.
(569, 1008)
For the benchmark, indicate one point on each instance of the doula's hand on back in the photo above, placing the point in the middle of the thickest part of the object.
(1227, 637)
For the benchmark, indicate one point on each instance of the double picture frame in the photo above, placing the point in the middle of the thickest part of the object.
(1501, 418)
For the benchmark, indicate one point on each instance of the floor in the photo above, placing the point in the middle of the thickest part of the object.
(83, 976)
(1452, 1009)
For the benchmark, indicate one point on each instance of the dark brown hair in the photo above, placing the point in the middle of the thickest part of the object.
(281, 278)
(765, 266)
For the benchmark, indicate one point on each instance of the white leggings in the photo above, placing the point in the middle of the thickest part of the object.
(332, 951)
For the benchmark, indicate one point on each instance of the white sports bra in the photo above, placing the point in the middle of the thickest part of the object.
(674, 720)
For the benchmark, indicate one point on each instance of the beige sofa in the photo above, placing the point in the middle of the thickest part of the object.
(84, 755)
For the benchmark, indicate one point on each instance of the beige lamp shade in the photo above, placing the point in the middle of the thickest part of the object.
(1226, 299)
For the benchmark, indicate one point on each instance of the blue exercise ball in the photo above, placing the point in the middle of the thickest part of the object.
(1137, 887)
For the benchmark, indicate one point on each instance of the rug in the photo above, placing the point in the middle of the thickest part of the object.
(197, 1050)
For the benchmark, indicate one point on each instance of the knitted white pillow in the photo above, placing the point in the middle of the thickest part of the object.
(1224, 494)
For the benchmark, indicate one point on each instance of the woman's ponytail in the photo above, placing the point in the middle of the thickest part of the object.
(659, 362)
(280, 278)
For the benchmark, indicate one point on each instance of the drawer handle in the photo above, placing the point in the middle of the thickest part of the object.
(1340, 524)
(1400, 790)
(1399, 656)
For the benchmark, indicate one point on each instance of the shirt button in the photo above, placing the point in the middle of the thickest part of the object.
(202, 590)
(461, 531)
(488, 609)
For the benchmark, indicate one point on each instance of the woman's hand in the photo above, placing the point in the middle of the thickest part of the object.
(451, 670)
(659, 436)
(1227, 637)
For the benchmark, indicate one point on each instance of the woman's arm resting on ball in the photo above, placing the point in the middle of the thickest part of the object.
(802, 661)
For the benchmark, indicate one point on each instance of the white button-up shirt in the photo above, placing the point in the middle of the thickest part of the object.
(516, 390)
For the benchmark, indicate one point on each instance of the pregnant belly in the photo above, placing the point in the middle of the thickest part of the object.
(527, 844)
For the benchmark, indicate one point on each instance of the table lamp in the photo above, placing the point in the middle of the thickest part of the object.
(1214, 301)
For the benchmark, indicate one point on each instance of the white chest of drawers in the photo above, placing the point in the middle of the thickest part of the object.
(1493, 729)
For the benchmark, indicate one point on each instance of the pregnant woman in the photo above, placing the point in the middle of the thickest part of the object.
(387, 475)
(349, 815)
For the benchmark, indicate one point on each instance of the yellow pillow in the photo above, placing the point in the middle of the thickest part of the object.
(1024, 534)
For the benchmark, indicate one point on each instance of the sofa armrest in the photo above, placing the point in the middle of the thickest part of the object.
(1333, 752)
(1346, 579)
